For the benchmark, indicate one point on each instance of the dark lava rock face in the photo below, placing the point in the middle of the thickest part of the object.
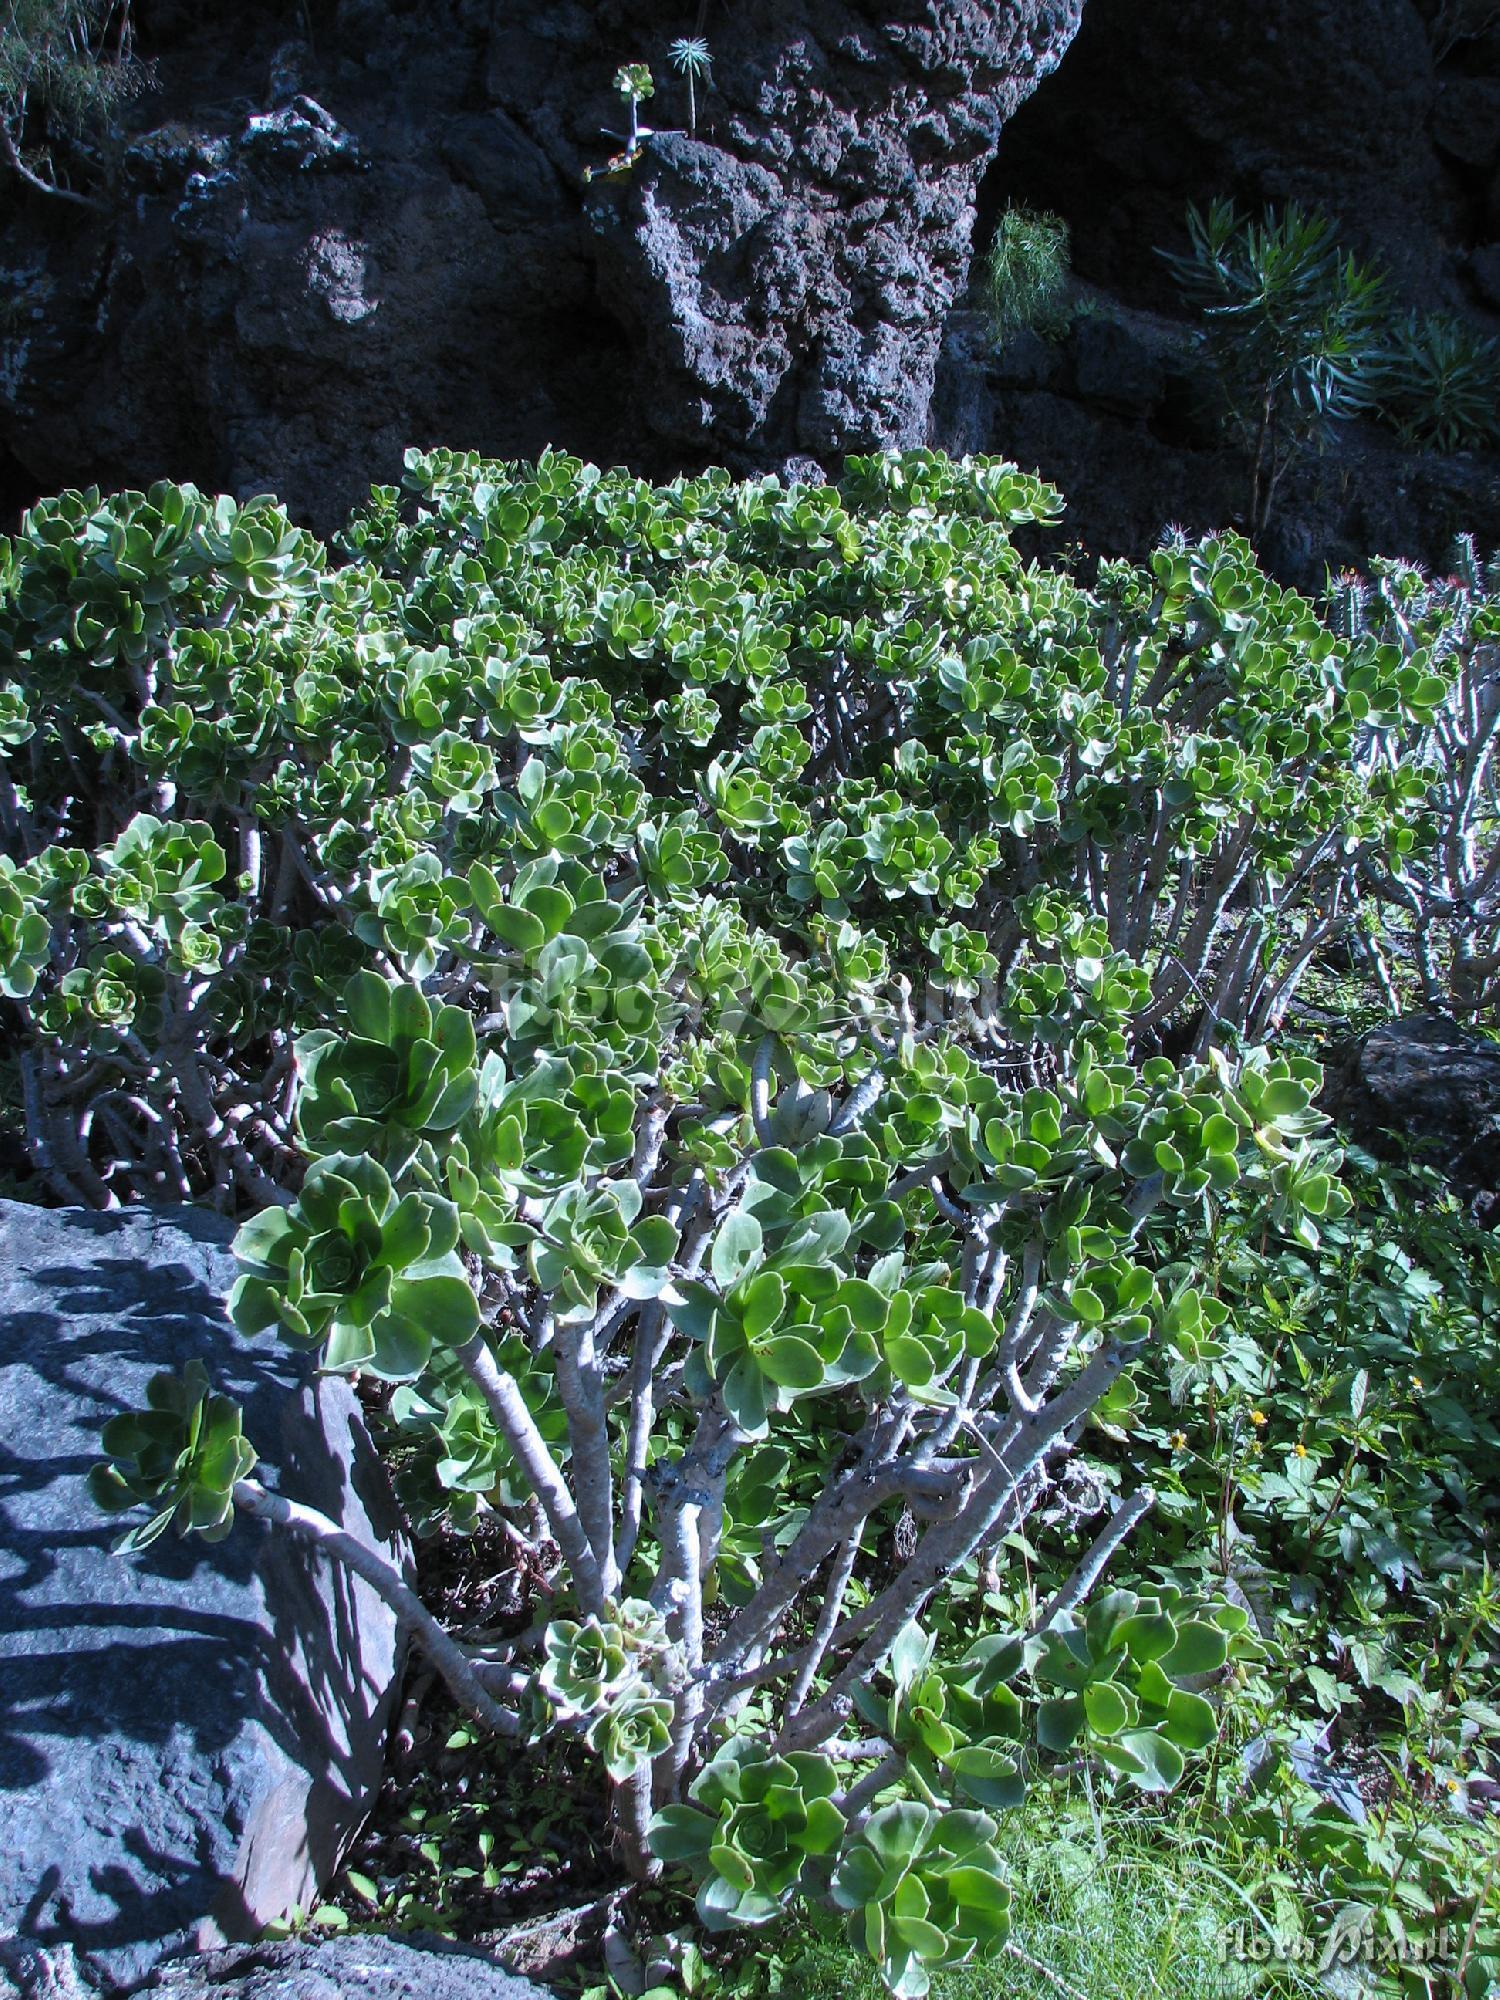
(1332, 103)
(337, 228)
(318, 251)
(788, 285)
(1353, 108)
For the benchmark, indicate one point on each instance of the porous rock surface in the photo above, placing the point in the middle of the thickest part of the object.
(341, 227)
(1428, 1084)
(339, 1968)
(343, 1968)
(188, 1737)
(41, 1972)
(318, 252)
(788, 283)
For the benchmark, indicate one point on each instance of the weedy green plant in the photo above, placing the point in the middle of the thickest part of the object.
(1439, 383)
(682, 976)
(1295, 328)
(1106, 1900)
(1332, 1465)
(1027, 274)
(690, 58)
(1401, 1890)
(65, 65)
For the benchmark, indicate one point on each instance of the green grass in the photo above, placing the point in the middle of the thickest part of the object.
(1027, 275)
(1156, 1918)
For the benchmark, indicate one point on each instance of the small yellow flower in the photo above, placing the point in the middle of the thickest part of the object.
(1418, 1384)
(1179, 1440)
(1453, 1784)
(1258, 1418)
(1300, 1450)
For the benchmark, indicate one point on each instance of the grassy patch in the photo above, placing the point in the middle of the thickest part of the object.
(1027, 277)
(1159, 1910)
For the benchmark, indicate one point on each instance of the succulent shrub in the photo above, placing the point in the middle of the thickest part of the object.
(741, 1002)
(1027, 274)
(183, 1455)
(634, 83)
(1433, 904)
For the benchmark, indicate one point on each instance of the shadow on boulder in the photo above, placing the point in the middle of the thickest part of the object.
(188, 1737)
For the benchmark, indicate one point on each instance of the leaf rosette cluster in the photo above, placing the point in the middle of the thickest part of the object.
(745, 1002)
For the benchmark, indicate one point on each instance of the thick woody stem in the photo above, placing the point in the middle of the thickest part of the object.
(828, 1618)
(451, 1661)
(1092, 1567)
(581, 1388)
(632, 1822)
(993, 1500)
(507, 1406)
(859, 1796)
(12, 153)
(651, 1336)
(760, 1088)
(842, 1506)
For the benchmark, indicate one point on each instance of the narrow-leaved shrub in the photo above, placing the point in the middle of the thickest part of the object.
(1027, 274)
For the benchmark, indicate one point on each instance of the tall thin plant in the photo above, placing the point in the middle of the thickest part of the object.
(690, 58)
(1295, 328)
(635, 85)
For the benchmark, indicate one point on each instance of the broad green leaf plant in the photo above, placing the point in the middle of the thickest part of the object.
(739, 1003)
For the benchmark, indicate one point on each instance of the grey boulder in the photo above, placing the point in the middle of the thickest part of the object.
(341, 1968)
(371, 1968)
(188, 1738)
(1428, 1084)
(35, 1972)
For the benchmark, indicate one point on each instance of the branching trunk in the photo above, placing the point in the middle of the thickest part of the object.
(455, 1666)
